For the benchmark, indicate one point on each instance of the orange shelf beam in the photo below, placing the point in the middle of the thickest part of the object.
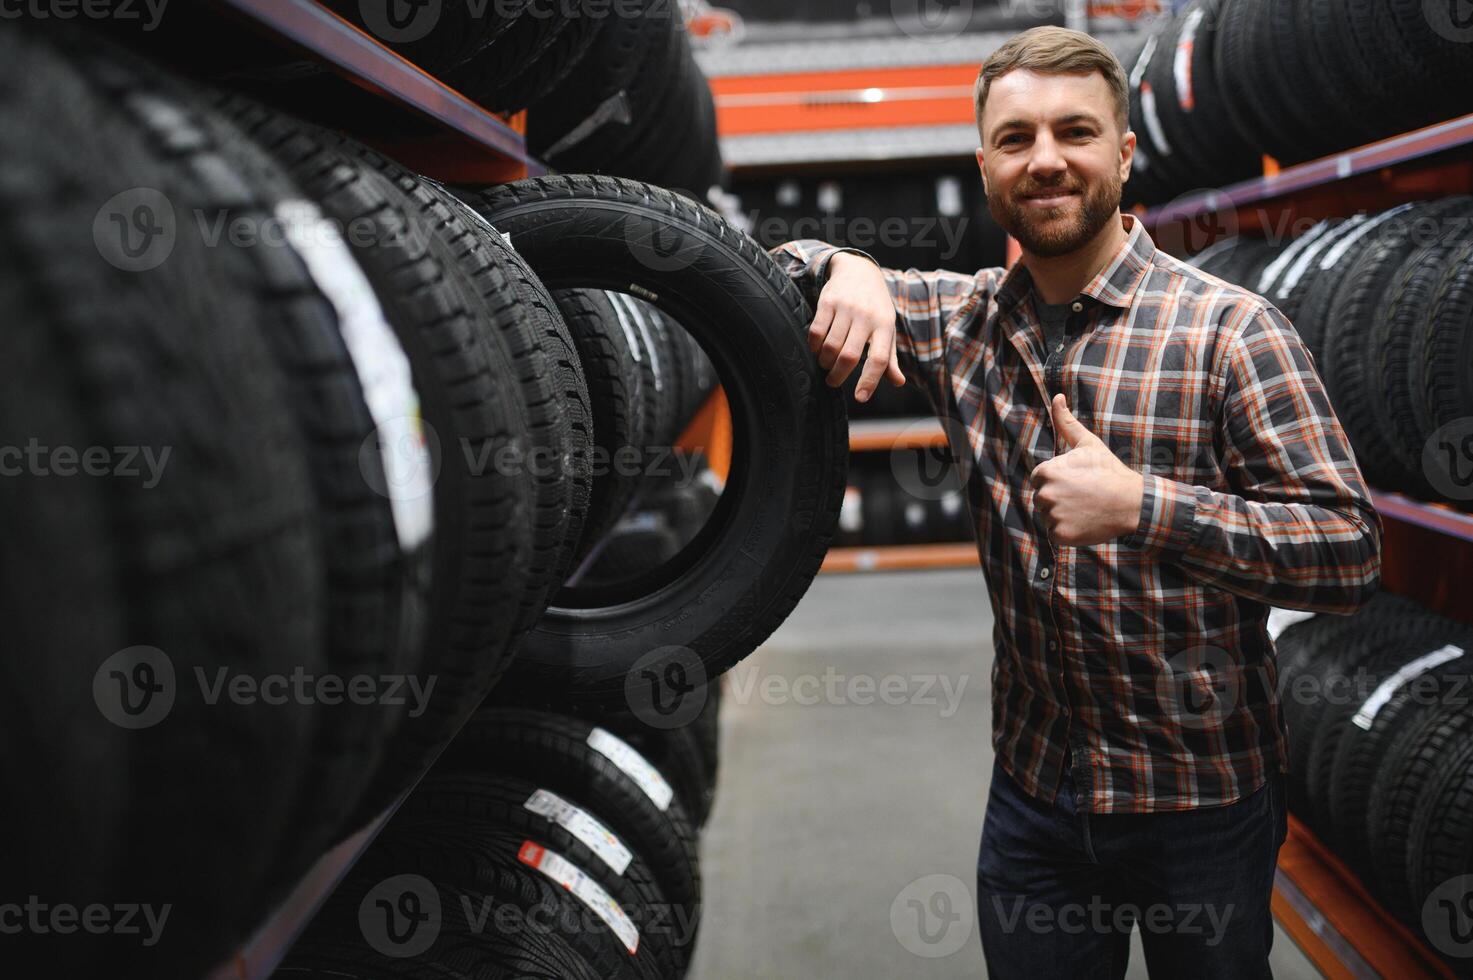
(901, 556)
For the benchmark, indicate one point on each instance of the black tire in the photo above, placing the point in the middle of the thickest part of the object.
(211, 560)
(1396, 336)
(483, 857)
(1353, 387)
(1364, 750)
(632, 55)
(1372, 657)
(457, 316)
(505, 802)
(780, 503)
(1441, 842)
(344, 958)
(1201, 134)
(554, 751)
(437, 36)
(375, 561)
(473, 934)
(1396, 796)
(559, 425)
(515, 70)
(612, 377)
(1442, 357)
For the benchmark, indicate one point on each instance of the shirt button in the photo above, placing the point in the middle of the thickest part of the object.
(1077, 307)
(1043, 572)
(1059, 349)
(1053, 644)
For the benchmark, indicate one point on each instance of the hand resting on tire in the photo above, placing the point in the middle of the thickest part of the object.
(855, 309)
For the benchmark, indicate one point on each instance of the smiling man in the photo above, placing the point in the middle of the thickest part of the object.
(1151, 463)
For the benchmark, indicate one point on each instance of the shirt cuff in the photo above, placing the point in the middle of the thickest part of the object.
(823, 263)
(1168, 522)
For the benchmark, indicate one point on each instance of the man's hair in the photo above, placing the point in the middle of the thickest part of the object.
(1055, 51)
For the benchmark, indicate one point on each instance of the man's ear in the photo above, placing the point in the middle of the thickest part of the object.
(982, 166)
(1127, 154)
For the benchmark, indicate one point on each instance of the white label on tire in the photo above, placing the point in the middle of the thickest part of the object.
(1383, 692)
(1296, 247)
(1281, 619)
(1142, 62)
(1153, 121)
(1181, 68)
(635, 766)
(379, 361)
(1301, 265)
(582, 825)
(1339, 249)
(617, 301)
(584, 888)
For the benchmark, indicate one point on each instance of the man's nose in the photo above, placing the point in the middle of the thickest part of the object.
(1045, 158)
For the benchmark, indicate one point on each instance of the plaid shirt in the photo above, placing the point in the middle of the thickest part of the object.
(1148, 655)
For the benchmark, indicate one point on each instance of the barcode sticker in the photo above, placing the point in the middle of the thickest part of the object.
(634, 765)
(582, 825)
(584, 888)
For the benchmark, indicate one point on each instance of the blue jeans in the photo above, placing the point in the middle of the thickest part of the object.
(1058, 890)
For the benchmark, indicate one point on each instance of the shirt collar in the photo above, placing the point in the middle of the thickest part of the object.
(1113, 285)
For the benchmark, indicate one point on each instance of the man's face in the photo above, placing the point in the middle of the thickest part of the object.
(1053, 158)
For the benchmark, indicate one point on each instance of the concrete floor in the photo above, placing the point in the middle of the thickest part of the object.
(855, 757)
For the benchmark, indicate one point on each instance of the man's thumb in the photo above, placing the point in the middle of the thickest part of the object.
(1067, 428)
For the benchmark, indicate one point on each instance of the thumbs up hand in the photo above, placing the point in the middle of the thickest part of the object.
(1085, 494)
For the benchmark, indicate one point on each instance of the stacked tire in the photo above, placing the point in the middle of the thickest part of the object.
(272, 536)
(1224, 82)
(1381, 750)
(904, 497)
(539, 841)
(1384, 302)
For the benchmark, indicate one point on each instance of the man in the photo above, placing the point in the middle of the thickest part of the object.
(1152, 463)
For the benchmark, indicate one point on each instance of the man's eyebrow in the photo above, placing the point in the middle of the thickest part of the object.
(1073, 117)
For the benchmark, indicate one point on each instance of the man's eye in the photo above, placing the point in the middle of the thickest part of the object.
(1009, 139)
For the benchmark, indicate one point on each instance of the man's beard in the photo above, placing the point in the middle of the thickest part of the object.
(1041, 233)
